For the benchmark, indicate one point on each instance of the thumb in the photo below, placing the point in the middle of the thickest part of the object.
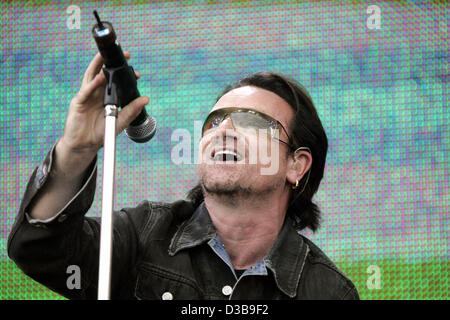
(130, 112)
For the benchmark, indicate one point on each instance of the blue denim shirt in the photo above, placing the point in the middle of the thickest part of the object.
(259, 268)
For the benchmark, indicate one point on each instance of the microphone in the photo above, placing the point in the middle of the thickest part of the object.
(143, 128)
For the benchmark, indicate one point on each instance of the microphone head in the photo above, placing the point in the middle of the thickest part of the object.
(142, 132)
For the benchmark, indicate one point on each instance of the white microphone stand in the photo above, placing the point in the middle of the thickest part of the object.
(116, 78)
(109, 157)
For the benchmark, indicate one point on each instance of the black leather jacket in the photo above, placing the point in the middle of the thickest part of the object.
(162, 250)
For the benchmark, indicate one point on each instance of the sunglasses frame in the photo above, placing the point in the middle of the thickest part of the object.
(229, 110)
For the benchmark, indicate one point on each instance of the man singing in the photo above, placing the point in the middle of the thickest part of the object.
(235, 237)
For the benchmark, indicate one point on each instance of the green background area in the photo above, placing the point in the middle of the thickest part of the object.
(398, 280)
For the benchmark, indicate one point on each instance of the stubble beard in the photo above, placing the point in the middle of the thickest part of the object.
(234, 193)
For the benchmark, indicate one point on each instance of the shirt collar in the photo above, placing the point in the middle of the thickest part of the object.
(259, 268)
(285, 259)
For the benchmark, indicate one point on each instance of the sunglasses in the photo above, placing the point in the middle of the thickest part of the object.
(243, 119)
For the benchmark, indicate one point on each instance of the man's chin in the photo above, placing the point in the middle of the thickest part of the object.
(216, 188)
(223, 189)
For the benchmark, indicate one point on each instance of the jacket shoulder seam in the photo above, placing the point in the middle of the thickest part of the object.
(342, 277)
(317, 256)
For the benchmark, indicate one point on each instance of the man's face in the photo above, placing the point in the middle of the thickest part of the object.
(260, 162)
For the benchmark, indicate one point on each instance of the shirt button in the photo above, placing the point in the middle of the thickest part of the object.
(167, 296)
(227, 290)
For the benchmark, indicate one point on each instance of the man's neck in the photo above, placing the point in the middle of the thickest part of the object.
(248, 227)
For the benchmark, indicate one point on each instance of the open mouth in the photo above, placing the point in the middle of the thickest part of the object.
(226, 156)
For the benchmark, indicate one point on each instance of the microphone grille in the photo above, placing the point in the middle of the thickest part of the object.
(142, 132)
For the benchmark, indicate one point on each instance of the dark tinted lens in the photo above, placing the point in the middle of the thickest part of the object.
(214, 119)
(244, 119)
(248, 120)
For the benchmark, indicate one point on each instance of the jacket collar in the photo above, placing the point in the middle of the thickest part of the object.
(194, 231)
(285, 259)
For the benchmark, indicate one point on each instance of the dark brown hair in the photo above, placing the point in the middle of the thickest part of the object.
(306, 130)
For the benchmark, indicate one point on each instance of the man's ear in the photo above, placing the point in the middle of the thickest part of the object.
(299, 163)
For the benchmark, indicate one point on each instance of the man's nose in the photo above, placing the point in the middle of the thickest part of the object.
(226, 124)
(226, 130)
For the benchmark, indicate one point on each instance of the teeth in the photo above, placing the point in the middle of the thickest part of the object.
(226, 155)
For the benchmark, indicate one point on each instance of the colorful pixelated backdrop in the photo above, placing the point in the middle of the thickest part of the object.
(379, 85)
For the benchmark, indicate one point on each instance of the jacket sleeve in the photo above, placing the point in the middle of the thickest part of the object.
(62, 252)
